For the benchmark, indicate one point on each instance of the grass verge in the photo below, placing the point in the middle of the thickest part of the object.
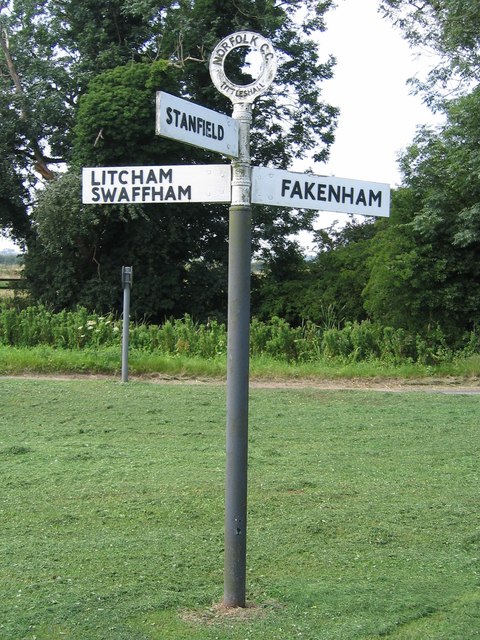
(363, 513)
(107, 360)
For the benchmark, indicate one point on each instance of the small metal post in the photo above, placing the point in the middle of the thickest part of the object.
(127, 275)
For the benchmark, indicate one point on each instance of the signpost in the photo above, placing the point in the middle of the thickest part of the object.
(181, 120)
(238, 329)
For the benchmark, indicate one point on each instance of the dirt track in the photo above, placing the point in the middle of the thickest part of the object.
(451, 386)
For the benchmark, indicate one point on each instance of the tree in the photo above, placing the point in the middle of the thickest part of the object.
(51, 50)
(326, 289)
(114, 115)
(425, 269)
(339, 274)
(451, 28)
(174, 249)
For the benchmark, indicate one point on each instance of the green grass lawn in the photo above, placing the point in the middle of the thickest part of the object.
(363, 513)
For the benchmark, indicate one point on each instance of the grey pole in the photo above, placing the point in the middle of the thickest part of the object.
(238, 348)
(239, 260)
(127, 274)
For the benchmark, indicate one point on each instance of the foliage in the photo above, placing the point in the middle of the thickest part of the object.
(174, 250)
(325, 289)
(425, 268)
(275, 339)
(451, 29)
(105, 78)
(58, 48)
(361, 504)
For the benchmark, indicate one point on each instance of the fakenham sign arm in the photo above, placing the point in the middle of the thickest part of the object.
(277, 187)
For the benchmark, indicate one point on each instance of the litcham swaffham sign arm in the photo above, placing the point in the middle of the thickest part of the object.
(137, 185)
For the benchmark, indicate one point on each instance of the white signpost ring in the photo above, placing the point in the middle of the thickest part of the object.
(243, 93)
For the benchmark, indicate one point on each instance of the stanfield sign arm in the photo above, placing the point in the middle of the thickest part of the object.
(188, 122)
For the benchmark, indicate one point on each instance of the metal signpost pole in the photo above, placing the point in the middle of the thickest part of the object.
(127, 273)
(239, 257)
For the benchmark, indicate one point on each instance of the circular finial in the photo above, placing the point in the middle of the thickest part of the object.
(243, 93)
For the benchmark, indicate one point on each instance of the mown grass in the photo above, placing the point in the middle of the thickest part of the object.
(363, 513)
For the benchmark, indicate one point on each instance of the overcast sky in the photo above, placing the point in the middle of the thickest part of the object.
(378, 115)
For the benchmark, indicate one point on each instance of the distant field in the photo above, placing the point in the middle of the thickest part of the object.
(12, 272)
(364, 513)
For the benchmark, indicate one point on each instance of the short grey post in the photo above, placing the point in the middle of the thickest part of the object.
(127, 274)
(239, 261)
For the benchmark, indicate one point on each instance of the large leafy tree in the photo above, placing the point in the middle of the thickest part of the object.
(71, 117)
(425, 269)
(49, 50)
(177, 251)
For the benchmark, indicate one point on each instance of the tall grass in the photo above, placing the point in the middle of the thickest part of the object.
(36, 326)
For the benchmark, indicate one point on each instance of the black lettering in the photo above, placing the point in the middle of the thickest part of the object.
(333, 193)
(185, 191)
(95, 194)
(321, 192)
(170, 195)
(108, 195)
(308, 190)
(361, 198)
(347, 196)
(156, 192)
(297, 190)
(93, 181)
(137, 176)
(121, 175)
(169, 115)
(375, 197)
(151, 177)
(166, 175)
(285, 186)
(123, 195)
